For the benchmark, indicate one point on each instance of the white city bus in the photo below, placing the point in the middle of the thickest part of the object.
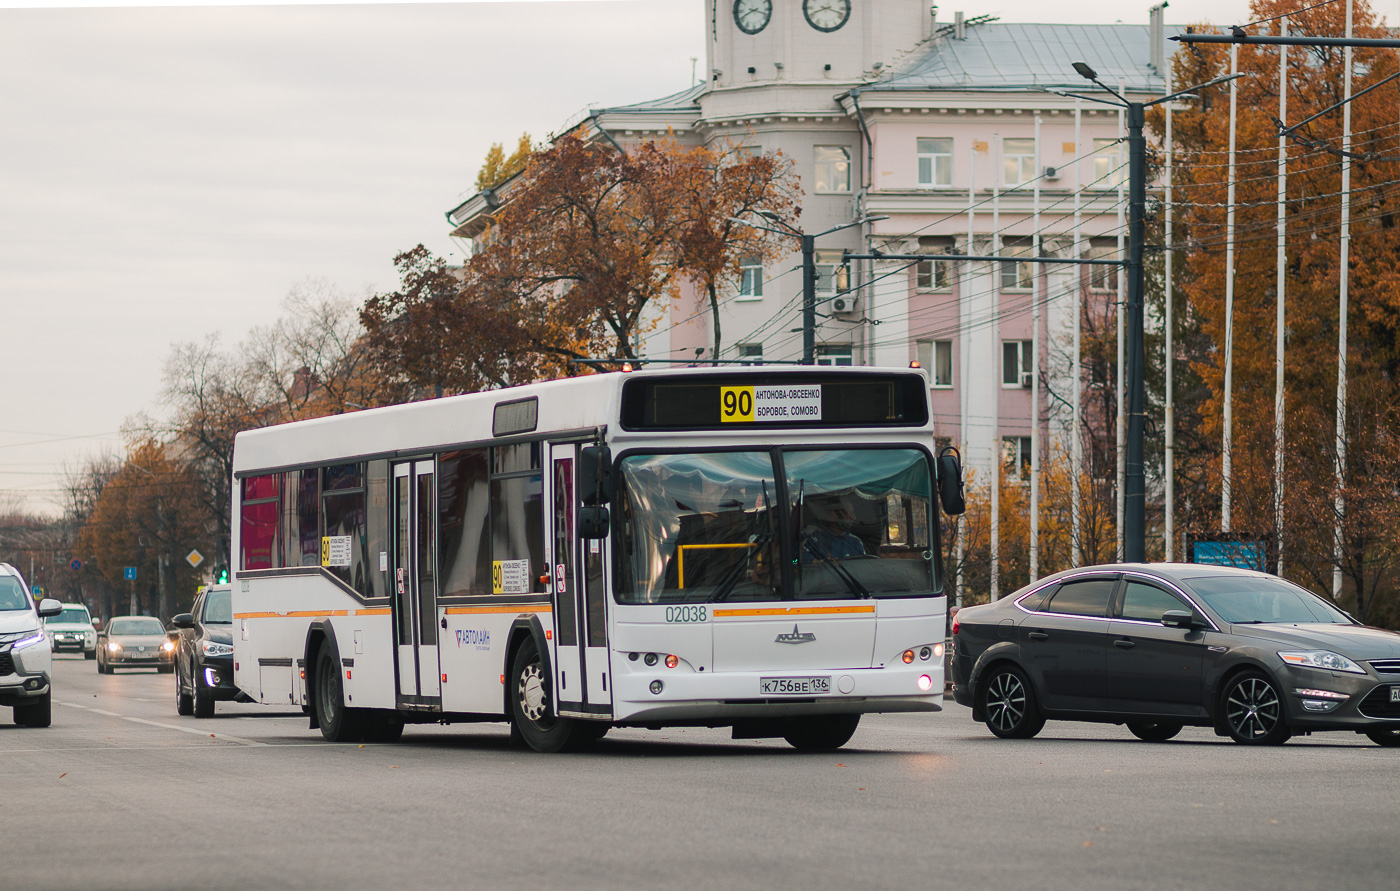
(752, 548)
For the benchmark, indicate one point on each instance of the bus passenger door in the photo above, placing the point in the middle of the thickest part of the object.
(580, 668)
(415, 584)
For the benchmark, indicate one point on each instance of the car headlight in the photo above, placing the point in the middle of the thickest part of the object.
(211, 648)
(1324, 659)
(167, 647)
(36, 637)
(113, 647)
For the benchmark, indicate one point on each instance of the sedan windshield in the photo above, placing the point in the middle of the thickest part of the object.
(833, 524)
(136, 627)
(1247, 600)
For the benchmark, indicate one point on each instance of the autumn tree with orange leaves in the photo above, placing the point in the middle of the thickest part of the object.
(590, 245)
(1371, 518)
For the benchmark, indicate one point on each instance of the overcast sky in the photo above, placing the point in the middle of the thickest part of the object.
(172, 170)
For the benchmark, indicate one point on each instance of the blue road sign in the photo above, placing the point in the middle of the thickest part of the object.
(129, 573)
(75, 565)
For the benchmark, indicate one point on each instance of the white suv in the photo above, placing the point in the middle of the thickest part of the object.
(71, 630)
(25, 659)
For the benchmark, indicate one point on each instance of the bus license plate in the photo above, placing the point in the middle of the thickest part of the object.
(794, 686)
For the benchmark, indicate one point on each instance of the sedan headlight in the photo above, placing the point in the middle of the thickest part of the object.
(113, 647)
(167, 647)
(1323, 659)
(211, 648)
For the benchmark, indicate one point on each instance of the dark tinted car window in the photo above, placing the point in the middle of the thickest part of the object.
(1085, 598)
(1034, 601)
(1148, 602)
(1245, 600)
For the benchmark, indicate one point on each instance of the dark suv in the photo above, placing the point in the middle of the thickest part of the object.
(204, 655)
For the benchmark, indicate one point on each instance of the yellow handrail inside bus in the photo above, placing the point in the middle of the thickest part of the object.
(680, 556)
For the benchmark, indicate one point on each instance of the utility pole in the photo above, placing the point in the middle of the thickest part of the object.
(1135, 360)
(808, 249)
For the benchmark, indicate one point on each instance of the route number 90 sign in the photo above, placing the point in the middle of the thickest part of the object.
(759, 405)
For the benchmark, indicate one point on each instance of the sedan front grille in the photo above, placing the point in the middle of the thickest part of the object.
(1378, 704)
(1386, 666)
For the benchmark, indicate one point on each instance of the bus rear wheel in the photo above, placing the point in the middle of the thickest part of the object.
(532, 707)
(338, 723)
(820, 733)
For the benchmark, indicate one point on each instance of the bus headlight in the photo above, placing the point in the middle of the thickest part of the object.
(925, 682)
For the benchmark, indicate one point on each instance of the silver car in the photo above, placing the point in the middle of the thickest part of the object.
(135, 642)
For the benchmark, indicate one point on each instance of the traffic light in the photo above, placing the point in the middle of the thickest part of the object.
(223, 576)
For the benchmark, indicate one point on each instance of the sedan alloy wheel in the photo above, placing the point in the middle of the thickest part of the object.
(1254, 711)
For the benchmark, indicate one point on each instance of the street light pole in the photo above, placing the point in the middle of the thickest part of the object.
(1135, 358)
(809, 299)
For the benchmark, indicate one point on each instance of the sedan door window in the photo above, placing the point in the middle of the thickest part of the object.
(1082, 598)
(1147, 603)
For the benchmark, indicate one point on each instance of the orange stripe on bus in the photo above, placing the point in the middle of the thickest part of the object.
(794, 611)
(510, 608)
(293, 614)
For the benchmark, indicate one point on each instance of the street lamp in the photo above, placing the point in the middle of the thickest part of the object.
(809, 271)
(1134, 481)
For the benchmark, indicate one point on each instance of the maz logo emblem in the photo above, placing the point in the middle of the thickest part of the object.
(796, 637)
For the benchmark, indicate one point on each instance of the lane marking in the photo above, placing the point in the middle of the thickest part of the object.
(198, 732)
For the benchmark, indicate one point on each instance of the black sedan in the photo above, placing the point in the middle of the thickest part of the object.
(1161, 646)
(204, 657)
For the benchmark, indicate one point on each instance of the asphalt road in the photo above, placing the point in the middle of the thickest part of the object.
(122, 793)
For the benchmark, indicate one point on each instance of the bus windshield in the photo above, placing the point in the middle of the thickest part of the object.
(724, 526)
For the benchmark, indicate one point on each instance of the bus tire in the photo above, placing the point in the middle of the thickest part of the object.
(531, 707)
(383, 727)
(338, 723)
(820, 733)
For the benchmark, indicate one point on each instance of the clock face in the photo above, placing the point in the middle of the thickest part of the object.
(752, 15)
(826, 15)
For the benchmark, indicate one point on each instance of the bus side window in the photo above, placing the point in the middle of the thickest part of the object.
(464, 507)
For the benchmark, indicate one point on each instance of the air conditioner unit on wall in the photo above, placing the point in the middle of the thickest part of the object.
(1026, 379)
(843, 304)
(1052, 173)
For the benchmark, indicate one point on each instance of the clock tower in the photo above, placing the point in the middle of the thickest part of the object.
(810, 41)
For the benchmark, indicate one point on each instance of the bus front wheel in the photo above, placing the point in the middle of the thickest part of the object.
(532, 707)
(821, 733)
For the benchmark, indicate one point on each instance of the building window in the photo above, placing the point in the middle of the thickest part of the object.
(1018, 275)
(1017, 363)
(1102, 278)
(934, 275)
(935, 158)
(1016, 458)
(937, 357)
(832, 276)
(833, 169)
(750, 353)
(1110, 169)
(833, 354)
(751, 277)
(1018, 161)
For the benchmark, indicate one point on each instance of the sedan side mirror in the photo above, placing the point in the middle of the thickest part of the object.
(1178, 618)
(182, 620)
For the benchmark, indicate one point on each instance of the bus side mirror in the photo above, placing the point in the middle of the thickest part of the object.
(593, 522)
(950, 482)
(595, 477)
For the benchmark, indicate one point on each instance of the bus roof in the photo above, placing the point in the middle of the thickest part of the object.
(570, 404)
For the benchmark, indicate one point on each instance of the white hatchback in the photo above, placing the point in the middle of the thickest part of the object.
(26, 662)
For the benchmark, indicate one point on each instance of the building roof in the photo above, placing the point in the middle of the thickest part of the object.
(1015, 56)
